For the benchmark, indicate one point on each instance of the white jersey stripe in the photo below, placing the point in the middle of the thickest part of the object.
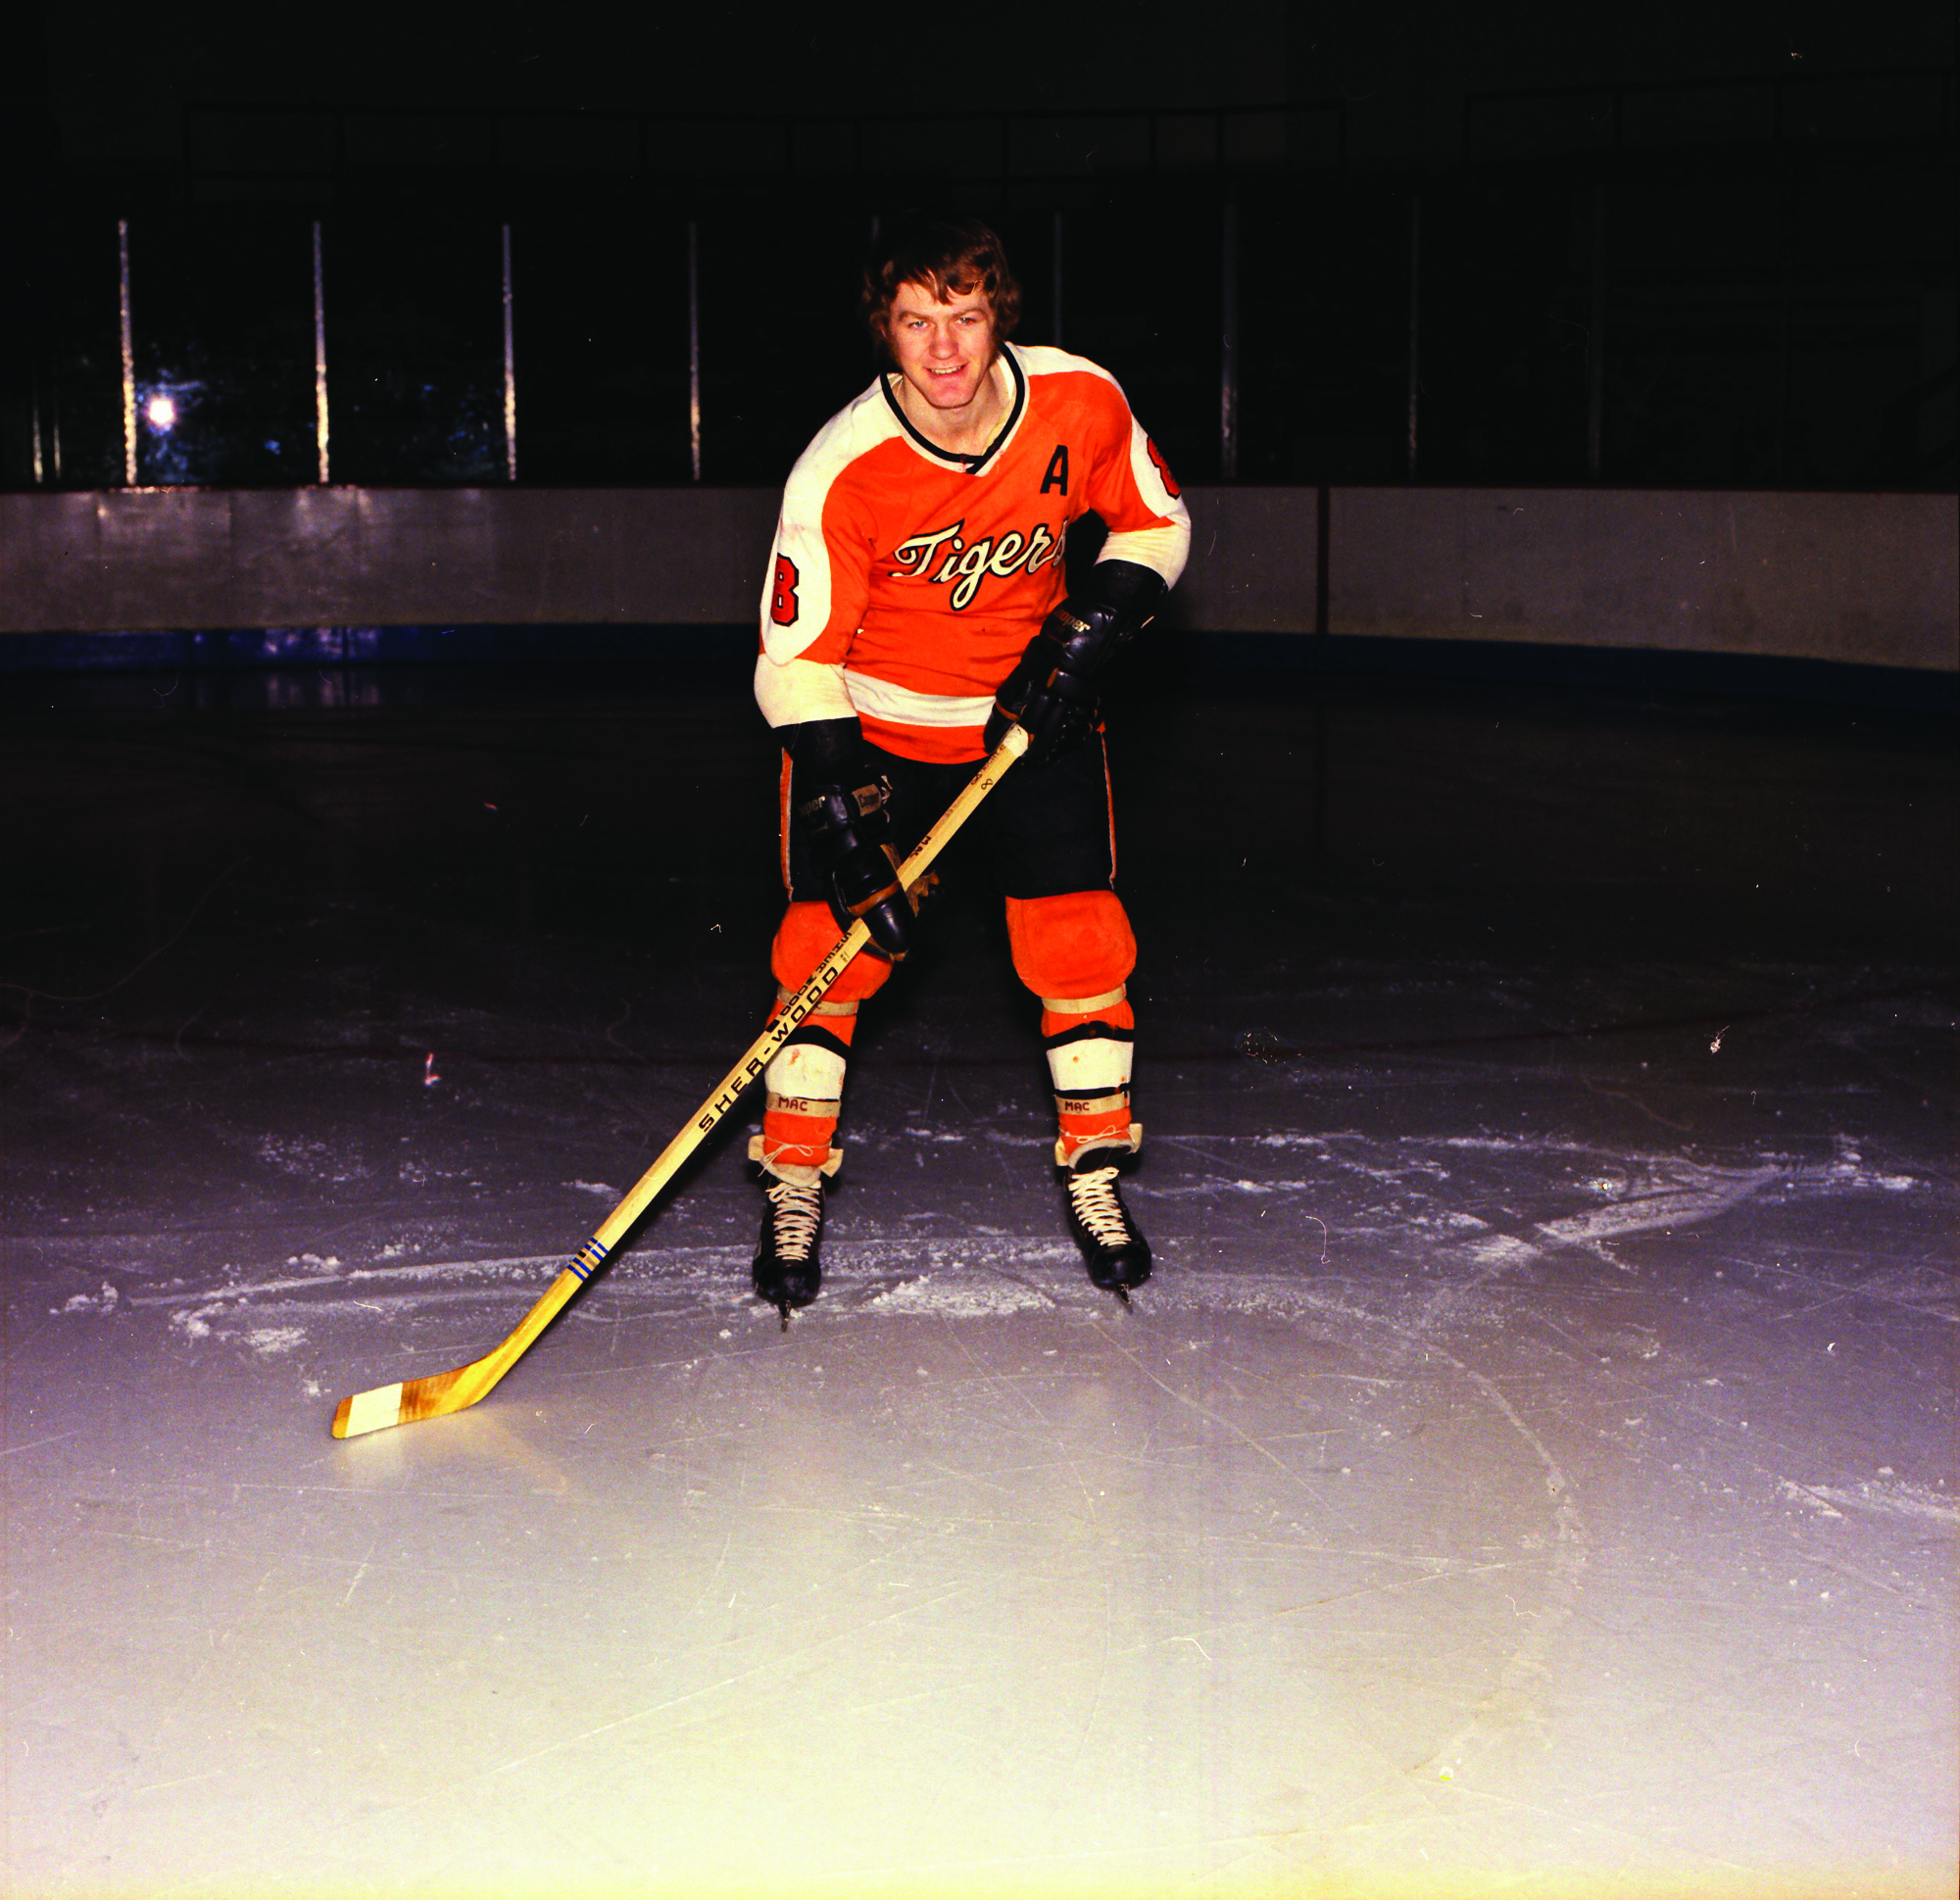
(901, 706)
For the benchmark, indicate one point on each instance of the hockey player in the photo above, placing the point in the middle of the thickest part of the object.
(913, 608)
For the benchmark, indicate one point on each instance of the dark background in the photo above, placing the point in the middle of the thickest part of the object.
(1670, 244)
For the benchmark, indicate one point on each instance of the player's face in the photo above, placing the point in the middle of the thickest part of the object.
(943, 350)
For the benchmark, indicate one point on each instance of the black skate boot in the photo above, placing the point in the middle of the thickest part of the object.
(787, 1271)
(1118, 1255)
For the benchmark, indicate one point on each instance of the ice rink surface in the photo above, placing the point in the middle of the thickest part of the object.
(1532, 1469)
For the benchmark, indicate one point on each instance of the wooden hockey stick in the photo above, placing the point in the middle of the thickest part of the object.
(450, 1391)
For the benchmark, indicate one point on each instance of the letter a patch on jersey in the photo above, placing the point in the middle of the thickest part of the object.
(1057, 469)
(783, 601)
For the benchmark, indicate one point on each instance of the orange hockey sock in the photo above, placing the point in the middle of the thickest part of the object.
(805, 1080)
(1089, 1041)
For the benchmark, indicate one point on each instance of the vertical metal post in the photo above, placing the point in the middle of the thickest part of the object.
(694, 344)
(1786, 243)
(510, 370)
(1228, 380)
(129, 360)
(321, 430)
(1415, 327)
(1595, 339)
(1056, 336)
(1323, 539)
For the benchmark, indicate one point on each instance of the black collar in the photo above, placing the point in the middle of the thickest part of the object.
(971, 463)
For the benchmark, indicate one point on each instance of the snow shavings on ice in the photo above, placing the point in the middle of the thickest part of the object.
(1849, 1171)
(1892, 1498)
(1694, 1194)
(1502, 1250)
(1844, 1173)
(1811, 1500)
(1204, 1189)
(270, 1342)
(516, 1266)
(964, 1298)
(308, 1160)
(1366, 1198)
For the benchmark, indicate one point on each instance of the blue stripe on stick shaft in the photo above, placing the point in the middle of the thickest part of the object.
(589, 1260)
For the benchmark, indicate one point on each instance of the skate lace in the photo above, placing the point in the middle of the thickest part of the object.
(1093, 1195)
(798, 1214)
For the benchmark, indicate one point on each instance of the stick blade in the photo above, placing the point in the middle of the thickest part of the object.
(404, 1402)
(451, 1392)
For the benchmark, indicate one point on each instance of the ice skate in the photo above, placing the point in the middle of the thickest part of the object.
(1117, 1254)
(787, 1270)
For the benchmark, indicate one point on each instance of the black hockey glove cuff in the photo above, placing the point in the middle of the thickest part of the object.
(1052, 692)
(839, 810)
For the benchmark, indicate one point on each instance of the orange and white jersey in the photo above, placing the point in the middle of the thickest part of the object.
(908, 580)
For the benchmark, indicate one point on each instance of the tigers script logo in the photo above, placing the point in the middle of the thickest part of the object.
(967, 567)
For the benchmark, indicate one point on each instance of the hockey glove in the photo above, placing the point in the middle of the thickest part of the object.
(1052, 692)
(840, 808)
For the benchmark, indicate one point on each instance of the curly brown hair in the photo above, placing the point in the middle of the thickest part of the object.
(949, 255)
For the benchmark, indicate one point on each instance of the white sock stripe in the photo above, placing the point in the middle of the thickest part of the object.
(1098, 1065)
(1086, 1006)
(807, 1070)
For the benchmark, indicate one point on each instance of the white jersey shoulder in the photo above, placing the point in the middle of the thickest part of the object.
(1045, 360)
(858, 426)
